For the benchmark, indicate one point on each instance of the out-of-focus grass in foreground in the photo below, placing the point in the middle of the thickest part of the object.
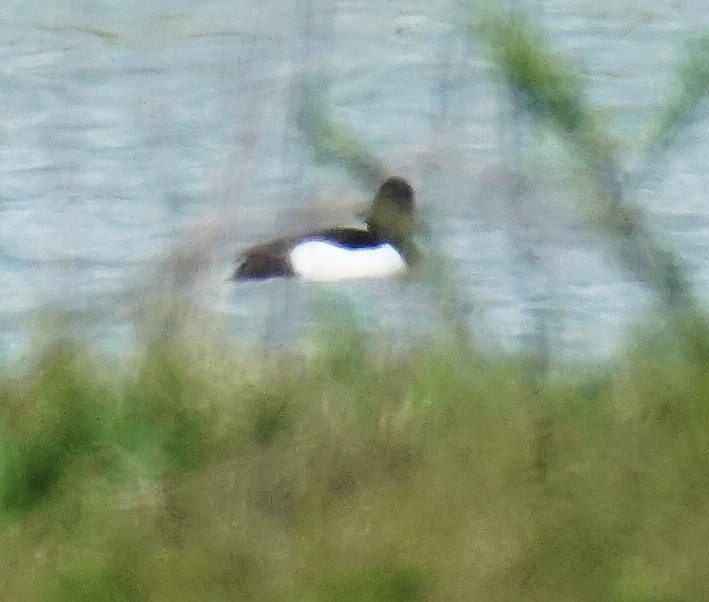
(192, 472)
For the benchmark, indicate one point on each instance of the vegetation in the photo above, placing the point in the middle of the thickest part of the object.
(552, 94)
(353, 474)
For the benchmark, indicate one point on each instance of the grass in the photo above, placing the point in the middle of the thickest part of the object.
(427, 474)
(551, 93)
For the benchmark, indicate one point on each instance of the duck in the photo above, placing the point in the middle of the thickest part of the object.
(383, 248)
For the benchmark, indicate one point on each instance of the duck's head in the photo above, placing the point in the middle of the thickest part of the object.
(393, 214)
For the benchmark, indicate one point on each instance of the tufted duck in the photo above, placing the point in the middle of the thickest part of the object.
(384, 248)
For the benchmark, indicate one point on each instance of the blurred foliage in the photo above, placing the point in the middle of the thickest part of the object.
(333, 142)
(544, 83)
(551, 92)
(690, 89)
(189, 472)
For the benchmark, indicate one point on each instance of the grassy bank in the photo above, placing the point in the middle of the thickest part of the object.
(194, 472)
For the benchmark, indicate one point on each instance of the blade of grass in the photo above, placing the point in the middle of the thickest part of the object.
(552, 93)
(687, 94)
(334, 143)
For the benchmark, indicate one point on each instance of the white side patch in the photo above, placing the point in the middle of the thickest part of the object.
(321, 261)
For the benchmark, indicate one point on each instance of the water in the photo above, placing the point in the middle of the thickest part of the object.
(143, 144)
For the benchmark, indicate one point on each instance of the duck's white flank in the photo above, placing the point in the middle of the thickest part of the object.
(321, 261)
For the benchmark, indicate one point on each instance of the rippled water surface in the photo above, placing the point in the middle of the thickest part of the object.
(143, 144)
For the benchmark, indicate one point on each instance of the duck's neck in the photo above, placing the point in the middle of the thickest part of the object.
(404, 244)
(410, 251)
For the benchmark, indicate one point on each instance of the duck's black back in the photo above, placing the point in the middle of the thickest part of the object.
(272, 260)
